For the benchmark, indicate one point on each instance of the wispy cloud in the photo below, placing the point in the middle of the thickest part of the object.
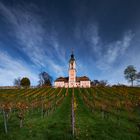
(27, 30)
(11, 68)
(106, 57)
(38, 39)
(92, 36)
(114, 50)
(33, 39)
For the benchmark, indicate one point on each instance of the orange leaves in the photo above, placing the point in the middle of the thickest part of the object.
(22, 106)
(7, 106)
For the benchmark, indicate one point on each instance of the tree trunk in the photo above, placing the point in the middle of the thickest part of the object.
(132, 83)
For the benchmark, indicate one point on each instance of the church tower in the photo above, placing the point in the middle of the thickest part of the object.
(72, 80)
(72, 71)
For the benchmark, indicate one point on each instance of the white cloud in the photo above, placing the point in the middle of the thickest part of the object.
(11, 68)
(60, 70)
(114, 50)
(108, 54)
(27, 27)
(31, 37)
(92, 36)
(8, 13)
(57, 49)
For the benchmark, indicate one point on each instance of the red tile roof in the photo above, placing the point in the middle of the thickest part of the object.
(78, 79)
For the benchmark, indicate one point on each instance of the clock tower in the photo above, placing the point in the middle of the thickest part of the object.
(72, 71)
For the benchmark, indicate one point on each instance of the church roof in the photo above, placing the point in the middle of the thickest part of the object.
(83, 78)
(78, 79)
(61, 79)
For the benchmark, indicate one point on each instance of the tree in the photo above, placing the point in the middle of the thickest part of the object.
(103, 83)
(130, 74)
(25, 82)
(138, 77)
(17, 82)
(99, 83)
(95, 82)
(45, 79)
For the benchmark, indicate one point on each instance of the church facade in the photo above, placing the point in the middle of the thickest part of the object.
(72, 80)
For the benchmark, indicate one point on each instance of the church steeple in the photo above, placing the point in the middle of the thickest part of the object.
(72, 64)
(72, 81)
(72, 56)
(72, 71)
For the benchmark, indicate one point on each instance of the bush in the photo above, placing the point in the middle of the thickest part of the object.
(25, 82)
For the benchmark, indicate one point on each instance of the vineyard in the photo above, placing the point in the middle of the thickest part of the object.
(101, 113)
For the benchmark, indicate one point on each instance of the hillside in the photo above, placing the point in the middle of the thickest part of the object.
(110, 113)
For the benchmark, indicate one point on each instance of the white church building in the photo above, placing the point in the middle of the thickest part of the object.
(72, 80)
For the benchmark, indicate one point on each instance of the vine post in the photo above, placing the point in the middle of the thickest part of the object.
(5, 122)
(73, 115)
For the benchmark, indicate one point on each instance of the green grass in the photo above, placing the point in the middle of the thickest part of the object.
(55, 126)
(89, 125)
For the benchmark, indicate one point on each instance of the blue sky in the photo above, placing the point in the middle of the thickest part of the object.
(38, 35)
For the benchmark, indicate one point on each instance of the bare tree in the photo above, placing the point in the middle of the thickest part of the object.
(45, 79)
(17, 82)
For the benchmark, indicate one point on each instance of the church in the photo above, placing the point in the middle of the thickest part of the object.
(72, 80)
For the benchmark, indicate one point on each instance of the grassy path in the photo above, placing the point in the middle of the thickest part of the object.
(84, 120)
(59, 124)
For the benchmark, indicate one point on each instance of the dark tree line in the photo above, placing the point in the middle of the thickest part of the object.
(99, 83)
(130, 74)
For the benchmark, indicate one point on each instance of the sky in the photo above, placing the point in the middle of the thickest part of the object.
(39, 35)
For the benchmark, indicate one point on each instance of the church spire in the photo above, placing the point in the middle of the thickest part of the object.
(72, 56)
(72, 71)
(72, 64)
